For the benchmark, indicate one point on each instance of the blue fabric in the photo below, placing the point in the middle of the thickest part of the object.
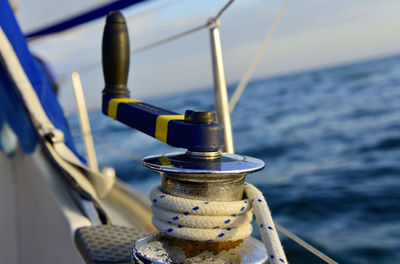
(13, 113)
(84, 17)
(10, 110)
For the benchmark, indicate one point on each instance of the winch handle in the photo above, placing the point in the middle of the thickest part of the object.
(115, 55)
(195, 131)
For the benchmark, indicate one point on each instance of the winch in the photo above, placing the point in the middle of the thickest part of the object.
(202, 175)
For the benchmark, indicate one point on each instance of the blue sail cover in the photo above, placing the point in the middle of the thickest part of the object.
(11, 110)
(12, 113)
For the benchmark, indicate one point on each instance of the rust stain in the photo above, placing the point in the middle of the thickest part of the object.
(193, 248)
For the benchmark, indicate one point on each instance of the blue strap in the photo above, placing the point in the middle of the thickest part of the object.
(83, 17)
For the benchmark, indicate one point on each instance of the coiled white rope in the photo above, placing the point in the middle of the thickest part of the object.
(216, 221)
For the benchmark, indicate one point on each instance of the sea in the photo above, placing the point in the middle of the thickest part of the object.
(330, 139)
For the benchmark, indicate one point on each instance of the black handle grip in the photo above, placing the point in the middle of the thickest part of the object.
(115, 55)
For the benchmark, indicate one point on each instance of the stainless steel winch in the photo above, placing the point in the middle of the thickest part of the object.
(201, 176)
(201, 173)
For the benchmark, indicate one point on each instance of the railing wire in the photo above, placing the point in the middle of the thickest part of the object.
(304, 244)
(167, 39)
(257, 58)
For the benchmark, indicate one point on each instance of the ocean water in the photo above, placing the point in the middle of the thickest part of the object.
(330, 139)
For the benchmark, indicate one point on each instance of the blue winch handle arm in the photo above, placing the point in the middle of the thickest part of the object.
(195, 131)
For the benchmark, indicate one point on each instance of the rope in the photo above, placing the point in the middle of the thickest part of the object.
(216, 221)
(257, 58)
(266, 225)
(280, 228)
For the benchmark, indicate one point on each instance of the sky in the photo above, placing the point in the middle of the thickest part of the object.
(313, 34)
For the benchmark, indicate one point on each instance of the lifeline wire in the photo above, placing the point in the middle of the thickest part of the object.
(168, 39)
(216, 221)
(184, 33)
(222, 10)
(151, 45)
(257, 58)
(305, 245)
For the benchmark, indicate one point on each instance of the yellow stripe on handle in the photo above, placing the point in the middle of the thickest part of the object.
(113, 105)
(162, 125)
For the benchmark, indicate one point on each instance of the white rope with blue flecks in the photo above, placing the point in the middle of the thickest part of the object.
(216, 221)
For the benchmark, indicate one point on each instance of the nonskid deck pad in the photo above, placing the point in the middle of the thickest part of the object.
(107, 243)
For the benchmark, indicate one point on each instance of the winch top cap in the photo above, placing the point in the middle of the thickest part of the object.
(184, 163)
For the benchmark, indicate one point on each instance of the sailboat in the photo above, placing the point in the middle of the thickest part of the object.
(59, 207)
